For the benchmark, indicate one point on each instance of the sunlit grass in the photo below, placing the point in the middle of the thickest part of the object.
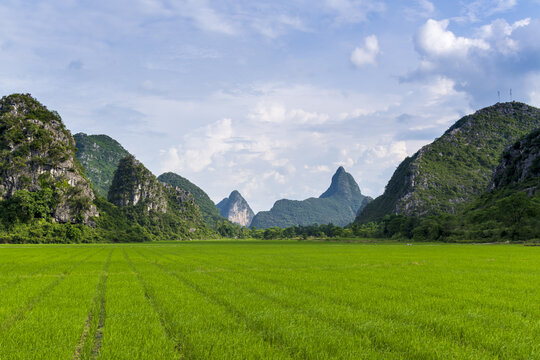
(256, 299)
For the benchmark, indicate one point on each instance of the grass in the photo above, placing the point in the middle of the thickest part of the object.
(269, 299)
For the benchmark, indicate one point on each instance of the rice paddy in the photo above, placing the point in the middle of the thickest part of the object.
(269, 300)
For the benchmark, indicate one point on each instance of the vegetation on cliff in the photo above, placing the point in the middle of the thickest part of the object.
(338, 205)
(43, 191)
(442, 177)
(164, 211)
(208, 209)
(99, 155)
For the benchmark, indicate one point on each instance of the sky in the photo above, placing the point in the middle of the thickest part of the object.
(270, 97)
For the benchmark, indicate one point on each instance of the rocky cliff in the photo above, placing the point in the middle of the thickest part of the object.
(520, 165)
(134, 185)
(236, 209)
(208, 208)
(164, 210)
(338, 205)
(99, 155)
(453, 170)
(37, 152)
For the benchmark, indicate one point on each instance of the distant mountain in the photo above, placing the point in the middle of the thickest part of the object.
(99, 154)
(39, 175)
(454, 169)
(236, 209)
(208, 208)
(338, 205)
(163, 210)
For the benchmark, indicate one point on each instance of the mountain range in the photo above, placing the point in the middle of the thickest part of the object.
(339, 205)
(480, 179)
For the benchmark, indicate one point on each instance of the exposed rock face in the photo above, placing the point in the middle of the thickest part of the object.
(520, 165)
(208, 208)
(99, 155)
(236, 209)
(338, 205)
(163, 210)
(133, 184)
(37, 152)
(454, 169)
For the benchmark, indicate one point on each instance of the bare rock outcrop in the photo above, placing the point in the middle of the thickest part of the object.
(38, 152)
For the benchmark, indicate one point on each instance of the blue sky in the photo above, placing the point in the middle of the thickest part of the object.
(270, 97)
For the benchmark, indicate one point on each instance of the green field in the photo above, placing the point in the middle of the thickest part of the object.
(275, 300)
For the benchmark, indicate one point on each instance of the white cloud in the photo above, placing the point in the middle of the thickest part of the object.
(206, 17)
(202, 147)
(534, 98)
(394, 150)
(277, 113)
(499, 32)
(366, 55)
(476, 10)
(317, 168)
(423, 9)
(275, 129)
(493, 57)
(354, 11)
(434, 40)
(273, 26)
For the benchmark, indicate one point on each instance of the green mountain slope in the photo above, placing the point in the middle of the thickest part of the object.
(511, 209)
(208, 209)
(39, 175)
(520, 166)
(165, 211)
(338, 205)
(99, 154)
(453, 170)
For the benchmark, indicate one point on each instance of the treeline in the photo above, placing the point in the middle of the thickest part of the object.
(498, 216)
(27, 217)
(494, 217)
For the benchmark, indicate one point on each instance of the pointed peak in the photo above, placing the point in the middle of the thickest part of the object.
(343, 184)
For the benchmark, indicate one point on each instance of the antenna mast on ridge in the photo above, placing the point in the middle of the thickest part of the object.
(499, 95)
(511, 99)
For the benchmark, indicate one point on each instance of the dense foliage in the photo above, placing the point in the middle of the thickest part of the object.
(26, 217)
(99, 155)
(447, 174)
(46, 198)
(208, 209)
(165, 212)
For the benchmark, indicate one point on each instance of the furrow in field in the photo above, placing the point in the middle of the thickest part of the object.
(22, 311)
(434, 314)
(212, 330)
(38, 270)
(430, 327)
(276, 326)
(314, 311)
(17, 268)
(424, 320)
(90, 341)
(181, 344)
(132, 329)
(51, 330)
